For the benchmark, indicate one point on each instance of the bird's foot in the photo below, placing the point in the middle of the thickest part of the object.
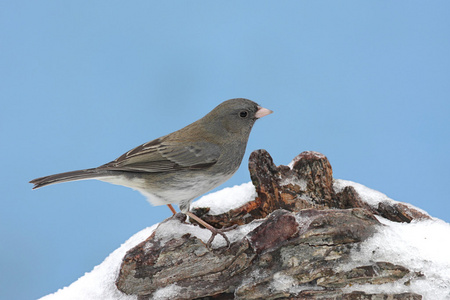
(213, 230)
(216, 231)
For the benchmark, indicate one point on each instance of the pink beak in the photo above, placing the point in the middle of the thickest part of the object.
(261, 112)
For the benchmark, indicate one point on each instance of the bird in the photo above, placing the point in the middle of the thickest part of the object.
(183, 165)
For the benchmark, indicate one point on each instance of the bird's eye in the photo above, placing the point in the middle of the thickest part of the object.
(243, 114)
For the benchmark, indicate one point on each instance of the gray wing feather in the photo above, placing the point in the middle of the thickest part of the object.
(160, 156)
(190, 154)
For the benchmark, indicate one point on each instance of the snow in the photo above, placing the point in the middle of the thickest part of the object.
(421, 246)
(227, 199)
(299, 157)
(286, 283)
(168, 292)
(295, 181)
(173, 229)
(370, 196)
(100, 282)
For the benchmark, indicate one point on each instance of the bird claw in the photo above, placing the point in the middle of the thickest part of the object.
(216, 231)
(213, 230)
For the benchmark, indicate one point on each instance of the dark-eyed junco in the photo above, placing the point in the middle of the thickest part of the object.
(183, 165)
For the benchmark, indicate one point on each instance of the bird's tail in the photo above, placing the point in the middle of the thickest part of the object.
(67, 176)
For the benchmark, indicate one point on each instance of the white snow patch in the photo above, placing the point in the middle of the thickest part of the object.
(370, 196)
(282, 282)
(174, 229)
(298, 157)
(303, 222)
(227, 199)
(295, 181)
(167, 293)
(241, 231)
(292, 163)
(421, 246)
(100, 282)
(286, 283)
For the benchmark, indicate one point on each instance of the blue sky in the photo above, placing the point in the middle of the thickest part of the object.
(364, 82)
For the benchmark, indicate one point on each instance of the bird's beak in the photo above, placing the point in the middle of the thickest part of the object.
(261, 112)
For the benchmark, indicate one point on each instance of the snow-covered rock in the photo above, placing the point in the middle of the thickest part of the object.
(321, 237)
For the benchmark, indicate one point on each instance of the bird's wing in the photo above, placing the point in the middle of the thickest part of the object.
(163, 156)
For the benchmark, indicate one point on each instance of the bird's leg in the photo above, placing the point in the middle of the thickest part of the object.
(172, 209)
(213, 230)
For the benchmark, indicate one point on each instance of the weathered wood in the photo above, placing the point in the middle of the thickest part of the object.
(308, 184)
(300, 247)
(301, 231)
